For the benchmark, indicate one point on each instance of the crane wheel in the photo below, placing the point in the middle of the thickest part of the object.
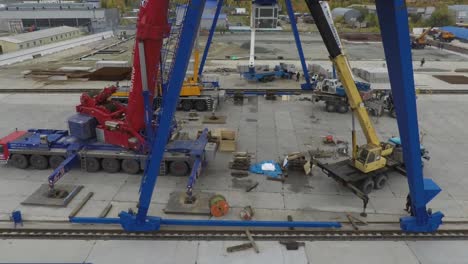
(218, 206)
(19, 161)
(92, 165)
(380, 181)
(110, 165)
(330, 108)
(39, 162)
(367, 185)
(55, 161)
(179, 168)
(200, 105)
(187, 105)
(130, 166)
(342, 109)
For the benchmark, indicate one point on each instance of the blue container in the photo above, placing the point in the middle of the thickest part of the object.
(82, 126)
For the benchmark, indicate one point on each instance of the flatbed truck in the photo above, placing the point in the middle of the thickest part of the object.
(57, 149)
(333, 94)
(361, 183)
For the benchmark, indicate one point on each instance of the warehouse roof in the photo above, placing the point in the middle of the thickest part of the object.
(38, 34)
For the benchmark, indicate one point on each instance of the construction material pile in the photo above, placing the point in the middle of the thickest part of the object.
(318, 69)
(373, 75)
(258, 68)
(240, 161)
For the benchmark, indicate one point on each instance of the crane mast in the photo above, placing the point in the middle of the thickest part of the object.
(151, 30)
(127, 126)
(252, 36)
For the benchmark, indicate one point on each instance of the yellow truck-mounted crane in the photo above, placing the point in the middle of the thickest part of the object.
(420, 41)
(369, 164)
(370, 156)
(442, 35)
(192, 85)
(194, 94)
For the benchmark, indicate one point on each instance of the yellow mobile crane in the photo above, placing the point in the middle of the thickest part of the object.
(193, 95)
(371, 156)
(420, 41)
(369, 163)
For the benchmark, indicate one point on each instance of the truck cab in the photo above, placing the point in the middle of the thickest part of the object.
(4, 150)
(398, 153)
(3, 147)
(328, 86)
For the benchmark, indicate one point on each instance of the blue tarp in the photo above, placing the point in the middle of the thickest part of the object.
(257, 168)
(460, 33)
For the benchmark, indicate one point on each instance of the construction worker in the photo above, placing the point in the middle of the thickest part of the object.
(298, 76)
(408, 205)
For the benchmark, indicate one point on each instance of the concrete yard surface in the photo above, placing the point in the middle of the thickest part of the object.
(214, 252)
(268, 130)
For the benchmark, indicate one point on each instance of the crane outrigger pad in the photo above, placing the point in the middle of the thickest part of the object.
(60, 197)
(178, 204)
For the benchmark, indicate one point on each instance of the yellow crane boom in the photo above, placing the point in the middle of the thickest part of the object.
(371, 156)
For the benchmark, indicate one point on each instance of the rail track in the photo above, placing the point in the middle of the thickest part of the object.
(261, 235)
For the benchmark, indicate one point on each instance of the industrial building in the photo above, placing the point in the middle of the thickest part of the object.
(37, 38)
(18, 17)
(460, 13)
(207, 17)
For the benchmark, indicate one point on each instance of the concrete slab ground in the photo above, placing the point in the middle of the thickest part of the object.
(213, 252)
(269, 130)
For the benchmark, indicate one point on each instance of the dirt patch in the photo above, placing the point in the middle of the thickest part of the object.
(111, 74)
(453, 79)
(361, 36)
(246, 45)
(430, 70)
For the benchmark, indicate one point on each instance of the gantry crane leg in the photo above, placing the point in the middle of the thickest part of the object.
(393, 18)
(210, 37)
(292, 19)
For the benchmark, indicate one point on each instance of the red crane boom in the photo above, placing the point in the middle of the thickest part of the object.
(123, 125)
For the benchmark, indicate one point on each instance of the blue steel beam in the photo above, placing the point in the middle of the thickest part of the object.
(393, 19)
(292, 19)
(210, 37)
(187, 38)
(213, 223)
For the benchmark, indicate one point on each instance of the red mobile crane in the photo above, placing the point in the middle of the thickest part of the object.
(109, 135)
(122, 125)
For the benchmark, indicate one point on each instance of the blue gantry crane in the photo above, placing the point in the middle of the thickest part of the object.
(140, 221)
(393, 19)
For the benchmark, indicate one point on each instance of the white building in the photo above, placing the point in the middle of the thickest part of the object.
(37, 38)
(460, 13)
(15, 17)
(240, 11)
